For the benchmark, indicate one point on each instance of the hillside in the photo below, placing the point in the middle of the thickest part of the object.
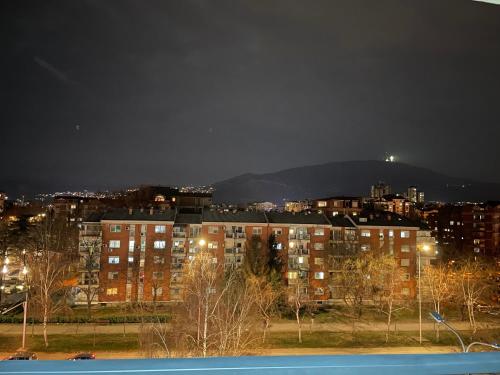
(350, 178)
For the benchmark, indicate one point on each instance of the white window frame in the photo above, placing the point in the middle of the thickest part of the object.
(159, 244)
(160, 229)
(114, 244)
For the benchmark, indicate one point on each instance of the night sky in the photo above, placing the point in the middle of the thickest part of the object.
(114, 93)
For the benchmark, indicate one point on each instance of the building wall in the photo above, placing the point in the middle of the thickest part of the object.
(143, 269)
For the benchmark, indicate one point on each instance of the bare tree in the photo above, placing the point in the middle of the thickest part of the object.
(51, 248)
(473, 282)
(266, 296)
(90, 254)
(298, 300)
(203, 292)
(438, 284)
(234, 318)
(386, 279)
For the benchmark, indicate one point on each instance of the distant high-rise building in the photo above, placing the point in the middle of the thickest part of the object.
(380, 189)
(412, 194)
(420, 197)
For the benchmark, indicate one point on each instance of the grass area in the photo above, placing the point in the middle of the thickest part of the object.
(342, 314)
(73, 343)
(276, 340)
(371, 339)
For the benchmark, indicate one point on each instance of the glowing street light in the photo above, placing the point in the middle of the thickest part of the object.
(202, 242)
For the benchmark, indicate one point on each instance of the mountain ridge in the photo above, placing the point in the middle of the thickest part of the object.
(352, 177)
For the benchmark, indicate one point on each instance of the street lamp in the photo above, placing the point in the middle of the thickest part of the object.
(440, 320)
(25, 304)
(425, 248)
(494, 346)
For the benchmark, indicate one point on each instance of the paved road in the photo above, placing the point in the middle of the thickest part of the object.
(16, 329)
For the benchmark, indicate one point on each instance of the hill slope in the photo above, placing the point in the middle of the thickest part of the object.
(350, 178)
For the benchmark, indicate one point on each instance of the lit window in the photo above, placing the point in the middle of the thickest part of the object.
(131, 259)
(319, 232)
(365, 247)
(115, 228)
(257, 231)
(321, 203)
(277, 231)
(213, 245)
(405, 291)
(112, 275)
(160, 228)
(292, 275)
(319, 246)
(157, 291)
(405, 234)
(112, 291)
(131, 245)
(365, 233)
(158, 260)
(113, 260)
(318, 261)
(114, 244)
(405, 277)
(391, 233)
(405, 248)
(213, 230)
(300, 260)
(319, 275)
(159, 244)
(451, 222)
(405, 262)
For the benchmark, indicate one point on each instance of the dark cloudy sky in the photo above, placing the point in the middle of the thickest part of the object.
(108, 93)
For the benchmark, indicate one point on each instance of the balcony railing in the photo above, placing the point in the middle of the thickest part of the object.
(233, 250)
(179, 234)
(298, 251)
(176, 266)
(178, 250)
(388, 364)
(298, 236)
(236, 235)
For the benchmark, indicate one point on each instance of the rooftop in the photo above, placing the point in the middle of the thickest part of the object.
(139, 215)
(297, 218)
(383, 219)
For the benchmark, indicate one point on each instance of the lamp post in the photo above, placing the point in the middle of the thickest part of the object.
(440, 320)
(25, 303)
(494, 346)
(3, 272)
(424, 248)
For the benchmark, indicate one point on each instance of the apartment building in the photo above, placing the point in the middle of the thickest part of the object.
(469, 229)
(145, 252)
(396, 235)
(339, 205)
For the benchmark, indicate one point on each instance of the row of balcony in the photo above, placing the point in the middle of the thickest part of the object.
(300, 236)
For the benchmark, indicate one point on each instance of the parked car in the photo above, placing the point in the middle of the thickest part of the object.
(82, 356)
(22, 356)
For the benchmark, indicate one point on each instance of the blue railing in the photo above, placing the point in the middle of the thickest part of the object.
(487, 362)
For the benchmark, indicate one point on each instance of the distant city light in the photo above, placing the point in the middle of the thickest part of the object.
(390, 158)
